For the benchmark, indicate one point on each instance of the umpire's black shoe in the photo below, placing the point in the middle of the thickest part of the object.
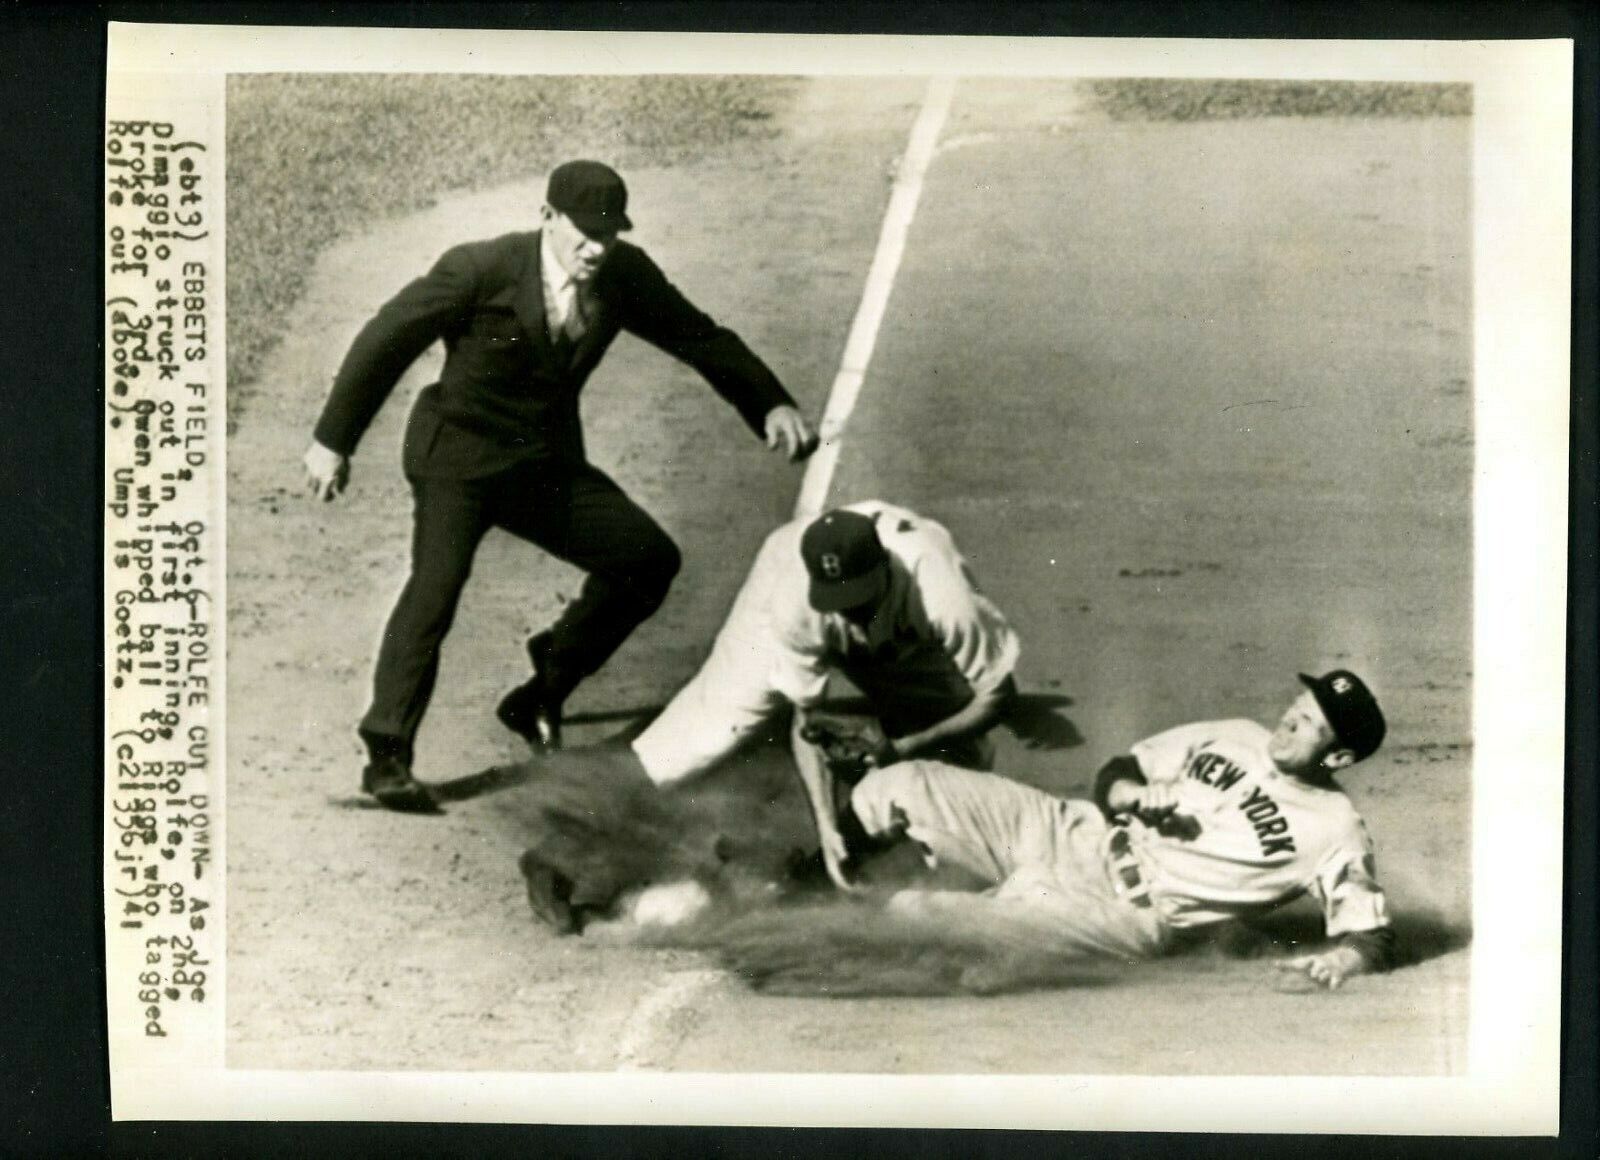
(533, 709)
(550, 895)
(389, 780)
(533, 715)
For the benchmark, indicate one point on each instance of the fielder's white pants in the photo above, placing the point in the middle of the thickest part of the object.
(723, 704)
(1045, 857)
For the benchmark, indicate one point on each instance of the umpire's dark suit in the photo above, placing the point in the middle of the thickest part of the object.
(496, 442)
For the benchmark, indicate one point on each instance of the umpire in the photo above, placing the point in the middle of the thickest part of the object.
(497, 442)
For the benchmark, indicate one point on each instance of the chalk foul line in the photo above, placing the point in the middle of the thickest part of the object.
(659, 1021)
(875, 296)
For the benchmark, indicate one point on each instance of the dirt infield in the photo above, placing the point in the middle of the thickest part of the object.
(1195, 397)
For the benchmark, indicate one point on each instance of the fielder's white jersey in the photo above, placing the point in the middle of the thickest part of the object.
(932, 596)
(774, 647)
(1264, 836)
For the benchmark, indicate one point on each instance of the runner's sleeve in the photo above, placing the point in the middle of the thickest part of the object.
(1346, 887)
(1379, 947)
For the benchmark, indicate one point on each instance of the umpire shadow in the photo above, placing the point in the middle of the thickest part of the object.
(489, 781)
(634, 719)
(504, 777)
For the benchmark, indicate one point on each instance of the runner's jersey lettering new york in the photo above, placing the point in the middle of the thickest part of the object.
(1271, 827)
(1261, 837)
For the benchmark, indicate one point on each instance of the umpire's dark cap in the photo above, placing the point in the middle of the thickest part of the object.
(591, 194)
(845, 560)
(1351, 709)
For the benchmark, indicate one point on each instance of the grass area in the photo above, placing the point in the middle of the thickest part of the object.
(1157, 99)
(313, 158)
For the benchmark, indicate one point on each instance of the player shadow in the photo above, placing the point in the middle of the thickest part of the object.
(1035, 720)
(1420, 935)
(1428, 935)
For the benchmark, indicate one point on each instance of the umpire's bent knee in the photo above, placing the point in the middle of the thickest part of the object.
(654, 567)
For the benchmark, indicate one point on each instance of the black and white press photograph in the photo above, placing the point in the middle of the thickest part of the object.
(806, 571)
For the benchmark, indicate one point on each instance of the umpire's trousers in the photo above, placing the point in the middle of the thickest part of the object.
(573, 511)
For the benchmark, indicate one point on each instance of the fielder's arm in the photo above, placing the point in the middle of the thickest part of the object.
(977, 716)
(819, 786)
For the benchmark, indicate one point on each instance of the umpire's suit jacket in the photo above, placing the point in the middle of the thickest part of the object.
(508, 392)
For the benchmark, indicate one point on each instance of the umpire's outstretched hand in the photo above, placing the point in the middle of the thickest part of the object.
(786, 428)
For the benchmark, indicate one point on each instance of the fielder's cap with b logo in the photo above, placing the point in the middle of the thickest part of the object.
(1351, 709)
(845, 560)
(591, 194)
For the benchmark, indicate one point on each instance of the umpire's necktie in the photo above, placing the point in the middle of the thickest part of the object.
(574, 326)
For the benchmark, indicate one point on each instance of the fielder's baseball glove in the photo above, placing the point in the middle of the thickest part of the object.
(851, 744)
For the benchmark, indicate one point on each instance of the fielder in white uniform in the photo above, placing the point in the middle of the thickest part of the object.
(871, 590)
(1198, 824)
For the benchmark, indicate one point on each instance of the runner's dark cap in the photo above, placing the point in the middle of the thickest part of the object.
(845, 560)
(1351, 709)
(591, 194)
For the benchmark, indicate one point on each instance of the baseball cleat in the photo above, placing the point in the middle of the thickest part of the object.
(533, 709)
(530, 714)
